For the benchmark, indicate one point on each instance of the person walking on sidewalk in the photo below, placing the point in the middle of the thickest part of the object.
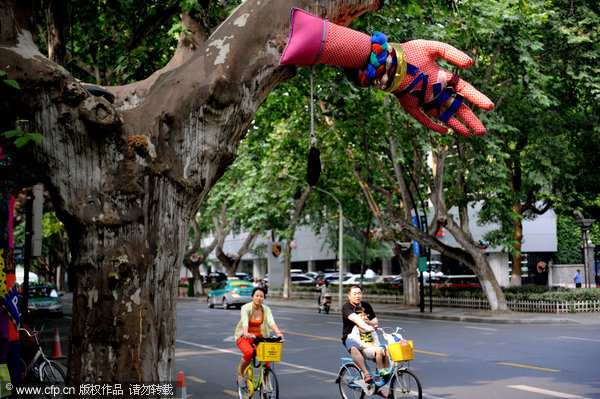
(577, 278)
(351, 319)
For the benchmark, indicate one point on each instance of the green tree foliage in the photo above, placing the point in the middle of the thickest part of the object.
(122, 41)
(569, 241)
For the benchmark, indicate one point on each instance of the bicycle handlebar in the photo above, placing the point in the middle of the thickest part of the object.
(31, 334)
(258, 340)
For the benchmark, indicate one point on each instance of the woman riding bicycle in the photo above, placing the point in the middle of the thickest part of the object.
(256, 319)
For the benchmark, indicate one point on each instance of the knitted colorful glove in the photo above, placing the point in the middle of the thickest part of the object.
(407, 70)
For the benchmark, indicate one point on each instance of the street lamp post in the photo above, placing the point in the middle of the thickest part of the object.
(585, 224)
(341, 235)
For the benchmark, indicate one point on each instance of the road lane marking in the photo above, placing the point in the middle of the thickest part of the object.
(200, 380)
(431, 353)
(581, 339)
(230, 392)
(202, 320)
(237, 353)
(309, 335)
(482, 328)
(528, 367)
(208, 347)
(338, 339)
(546, 392)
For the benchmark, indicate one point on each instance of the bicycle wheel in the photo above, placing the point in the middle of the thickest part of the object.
(405, 384)
(246, 391)
(269, 389)
(347, 380)
(52, 374)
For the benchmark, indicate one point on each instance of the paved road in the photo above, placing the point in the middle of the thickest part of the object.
(460, 353)
(465, 360)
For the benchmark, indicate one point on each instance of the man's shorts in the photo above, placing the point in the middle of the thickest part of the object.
(350, 343)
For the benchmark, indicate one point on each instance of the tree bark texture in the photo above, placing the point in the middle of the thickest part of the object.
(127, 178)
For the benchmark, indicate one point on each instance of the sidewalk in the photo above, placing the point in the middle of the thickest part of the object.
(443, 313)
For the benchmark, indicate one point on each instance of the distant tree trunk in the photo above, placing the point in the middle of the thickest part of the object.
(516, 276)
(193, 265)
(231, 261)
(289, 236)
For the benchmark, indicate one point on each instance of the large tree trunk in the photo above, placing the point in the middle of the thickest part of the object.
(126, 293)
(126, 179)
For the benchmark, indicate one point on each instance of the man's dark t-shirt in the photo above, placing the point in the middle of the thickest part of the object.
(347, 310)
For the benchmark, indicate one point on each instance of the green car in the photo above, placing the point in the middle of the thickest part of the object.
(231, 293)
(43, 298)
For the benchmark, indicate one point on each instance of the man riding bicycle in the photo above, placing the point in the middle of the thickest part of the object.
(350, 319)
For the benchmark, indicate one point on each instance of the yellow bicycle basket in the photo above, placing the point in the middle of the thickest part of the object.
(268, 352)
(401, 351)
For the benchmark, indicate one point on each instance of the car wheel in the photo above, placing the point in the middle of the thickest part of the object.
(225, 303)
(210, 304)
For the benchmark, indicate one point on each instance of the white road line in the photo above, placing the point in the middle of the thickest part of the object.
(581, 339)
(430, 396)
(547, 392)
(236, 353)
(482, 328)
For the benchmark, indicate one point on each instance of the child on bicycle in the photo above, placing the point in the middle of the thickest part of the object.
(369, 344)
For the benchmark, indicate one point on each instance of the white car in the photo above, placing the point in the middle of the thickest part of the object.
(302, 279)
(354, 279)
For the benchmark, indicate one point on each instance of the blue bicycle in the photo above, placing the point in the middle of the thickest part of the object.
(401, 381)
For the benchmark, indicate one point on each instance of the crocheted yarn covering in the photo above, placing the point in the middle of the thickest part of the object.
(422, 54)
(345, 47)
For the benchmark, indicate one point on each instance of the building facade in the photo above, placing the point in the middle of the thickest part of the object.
(311, 251)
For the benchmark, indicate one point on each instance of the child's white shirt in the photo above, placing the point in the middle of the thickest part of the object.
(356, 336)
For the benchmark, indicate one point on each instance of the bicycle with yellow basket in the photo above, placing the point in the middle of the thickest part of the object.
(259, 375)
(401, 381)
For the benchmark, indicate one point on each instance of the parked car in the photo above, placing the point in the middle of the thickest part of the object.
(396, 283)
(334, 277)
(354, 279)
(302, 279)
(44, 299)
(215, 277)
(231, 293)
(466, 281)
(297, 278)
(317, 276)
(243, 276)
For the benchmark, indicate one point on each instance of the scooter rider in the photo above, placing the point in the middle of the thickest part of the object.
(323, 289)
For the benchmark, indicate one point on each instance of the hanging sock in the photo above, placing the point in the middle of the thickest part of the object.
(314, 165)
